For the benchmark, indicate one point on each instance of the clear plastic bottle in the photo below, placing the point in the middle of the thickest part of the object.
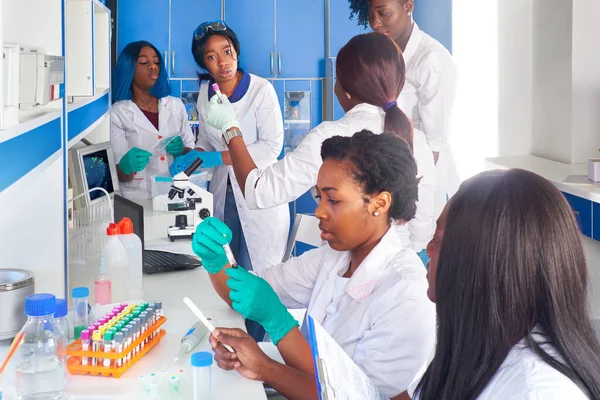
(102, 284)
(60, 316)
(133, 245)
(41, 371)
(115, 255)
(201, 363)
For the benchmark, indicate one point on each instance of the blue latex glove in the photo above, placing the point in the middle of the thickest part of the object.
(210, 159)
(175, 147)
(208, 242)
(255, 299)
(220, 113)
(134, 160)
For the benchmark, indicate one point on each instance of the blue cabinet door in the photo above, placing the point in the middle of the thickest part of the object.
(596, 221)
(435, 18)
(186, 15)
(254, 24)
(583, 212)
(300, 39)
(341, 27)
(143, 20)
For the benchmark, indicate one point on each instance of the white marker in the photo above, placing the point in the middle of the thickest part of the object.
(203, 319)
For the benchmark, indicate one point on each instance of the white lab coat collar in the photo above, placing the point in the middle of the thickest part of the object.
(413, 43)
(367, 275)
(139, 119)
(364, 108)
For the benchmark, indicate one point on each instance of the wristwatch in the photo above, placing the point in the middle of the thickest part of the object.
(230, 134)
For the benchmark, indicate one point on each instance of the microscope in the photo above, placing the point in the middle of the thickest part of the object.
(195, 204)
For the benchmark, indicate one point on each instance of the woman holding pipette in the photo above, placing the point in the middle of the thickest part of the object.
(149, 128)
(365, 287)
(259, 236)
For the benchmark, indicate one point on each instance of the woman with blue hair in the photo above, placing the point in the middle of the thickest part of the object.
(142, 115)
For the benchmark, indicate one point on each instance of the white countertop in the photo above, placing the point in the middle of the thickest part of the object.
(170, 288)
(569, 178)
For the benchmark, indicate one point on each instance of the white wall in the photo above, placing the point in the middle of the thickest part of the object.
(515, 63)
(31, 224)
(586, 80)
(552, 48)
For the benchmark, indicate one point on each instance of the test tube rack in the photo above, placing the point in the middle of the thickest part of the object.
(75, 366)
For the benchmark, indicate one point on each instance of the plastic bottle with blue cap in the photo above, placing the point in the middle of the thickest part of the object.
(80, 297)
(201, 363)
(40, 364)
(60, 316)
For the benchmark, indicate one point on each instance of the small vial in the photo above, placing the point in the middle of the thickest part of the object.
(96, 338)
(144, 319)
(125, 333)
(80, 309)
(119, 348)
(130, 340)
(85, 345)
(108, 338)
(201, 363)
(150, 311)
(230, 256)
(158, 309)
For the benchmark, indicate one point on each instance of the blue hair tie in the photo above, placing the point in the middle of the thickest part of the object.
(390, 105)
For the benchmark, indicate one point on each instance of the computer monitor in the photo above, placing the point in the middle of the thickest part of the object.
(89, 167)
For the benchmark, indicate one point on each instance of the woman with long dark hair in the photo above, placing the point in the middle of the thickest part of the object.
(370, 77)
(510, 282)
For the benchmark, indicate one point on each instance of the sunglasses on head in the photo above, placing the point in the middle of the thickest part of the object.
(207, 27)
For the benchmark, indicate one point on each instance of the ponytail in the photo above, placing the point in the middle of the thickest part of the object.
(398, 124)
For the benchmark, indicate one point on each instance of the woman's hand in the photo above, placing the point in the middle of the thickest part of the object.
(209, 159)
(255, 299)
(220, 114)
(134, 160)
(208, 241)
(175, 147)
(248, 359)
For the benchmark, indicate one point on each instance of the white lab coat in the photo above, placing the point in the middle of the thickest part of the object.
(526, 376)
(261, 123)
(427, 98)
(297, 172)
(131, 128)
(383, 320)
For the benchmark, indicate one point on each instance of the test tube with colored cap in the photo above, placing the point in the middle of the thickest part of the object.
(96, 338)
(230, 256)
(108, 338)
(85, 345)
(158, 309)
(126, 342)
(80, 309)
(118, 348)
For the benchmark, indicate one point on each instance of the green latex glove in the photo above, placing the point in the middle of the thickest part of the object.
(134, 160)
(208, 242)
(255, 299)
(175, 146)
(220, 113)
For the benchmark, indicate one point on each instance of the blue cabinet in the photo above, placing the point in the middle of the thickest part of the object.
(143, 20)
(279, 38)
(254, 24)
(300, 39)
(186, 15)
(596, 221)
(583, 212)
(435, 18)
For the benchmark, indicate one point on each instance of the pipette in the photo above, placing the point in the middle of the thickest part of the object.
(188, 342)
(202, 318)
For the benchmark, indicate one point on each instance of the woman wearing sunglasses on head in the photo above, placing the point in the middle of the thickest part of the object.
(144, 113)
(259, 236)
(370, 75)
(510, 282)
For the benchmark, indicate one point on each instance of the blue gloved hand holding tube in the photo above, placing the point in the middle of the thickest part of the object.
(209, 159)
(208, 242)
(134, 160)
(255, 299)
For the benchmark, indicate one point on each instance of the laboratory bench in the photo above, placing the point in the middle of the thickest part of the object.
(170, 288)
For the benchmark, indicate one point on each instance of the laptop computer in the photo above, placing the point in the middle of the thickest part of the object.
(154, 260)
